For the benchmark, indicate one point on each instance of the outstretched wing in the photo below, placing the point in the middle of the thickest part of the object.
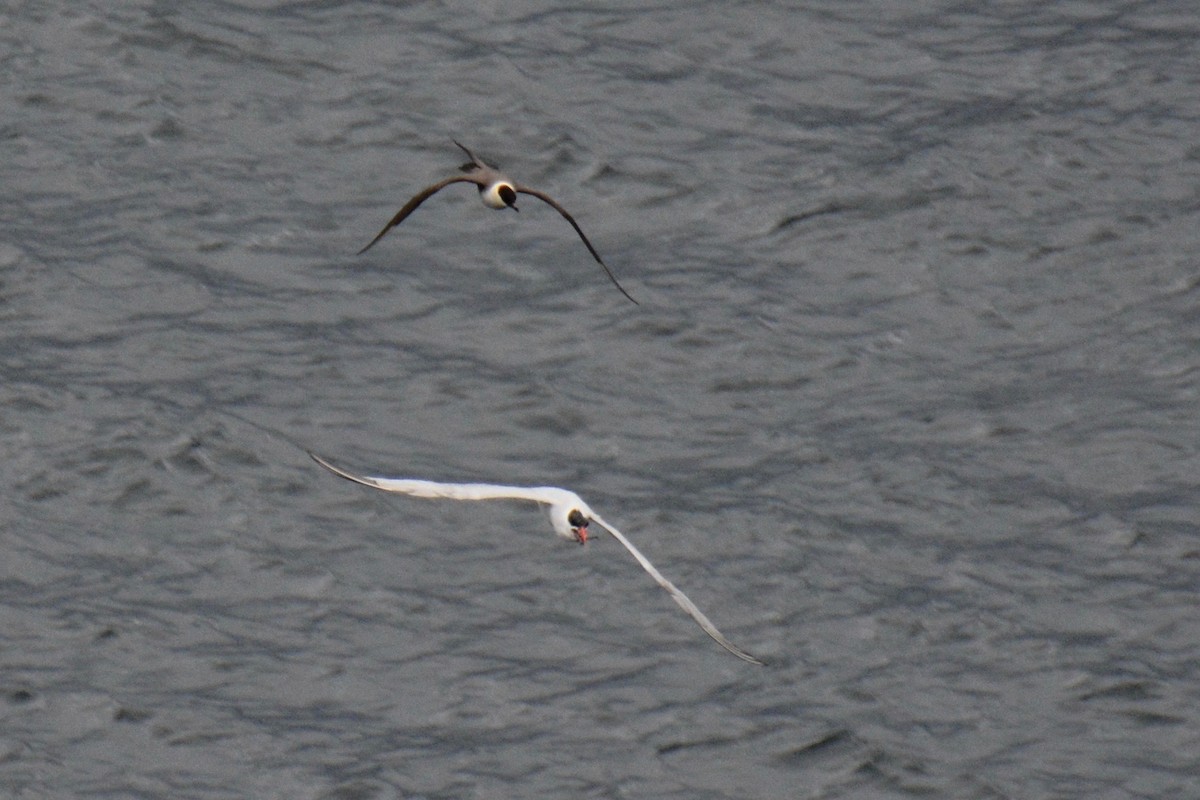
(454, 491)
(679, 597)
(411, 205)
(548, 200)
(341, 473)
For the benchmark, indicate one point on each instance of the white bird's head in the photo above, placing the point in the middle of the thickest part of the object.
(500, 195)
(570, 517)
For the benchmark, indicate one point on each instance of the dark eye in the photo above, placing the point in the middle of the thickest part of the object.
(576, 519)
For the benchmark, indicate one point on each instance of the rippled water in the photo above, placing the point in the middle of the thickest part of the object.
(909, 406)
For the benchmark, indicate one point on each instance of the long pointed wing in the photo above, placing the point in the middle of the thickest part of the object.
(679, 597)
(341, 473)
(411, 206)
(449, 491)
(548, 200)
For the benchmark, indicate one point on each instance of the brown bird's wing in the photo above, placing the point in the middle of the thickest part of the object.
(411, 205)
(548, 200)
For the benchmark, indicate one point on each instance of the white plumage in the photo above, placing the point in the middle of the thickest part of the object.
(569, 516)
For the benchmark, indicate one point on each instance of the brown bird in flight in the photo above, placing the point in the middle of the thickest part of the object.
(496, 190)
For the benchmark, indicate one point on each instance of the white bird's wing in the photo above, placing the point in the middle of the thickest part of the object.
(679, 597)
(449, 491)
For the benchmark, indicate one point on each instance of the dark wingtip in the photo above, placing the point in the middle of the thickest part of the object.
(374, 241)
(620, 288)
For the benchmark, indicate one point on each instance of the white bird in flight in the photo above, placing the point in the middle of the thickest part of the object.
(497, 191)
(569, 516)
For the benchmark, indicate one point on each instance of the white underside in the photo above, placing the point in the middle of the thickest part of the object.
(491, 195)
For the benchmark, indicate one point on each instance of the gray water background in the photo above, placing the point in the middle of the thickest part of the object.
(909, 406)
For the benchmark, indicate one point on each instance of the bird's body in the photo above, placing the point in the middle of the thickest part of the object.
(498, 191)
(569, 516)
